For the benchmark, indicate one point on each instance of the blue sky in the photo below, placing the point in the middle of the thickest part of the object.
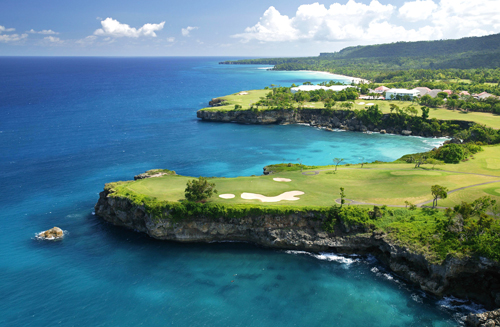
(231, 28)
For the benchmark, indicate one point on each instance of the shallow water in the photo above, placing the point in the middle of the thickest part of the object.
(69, 125)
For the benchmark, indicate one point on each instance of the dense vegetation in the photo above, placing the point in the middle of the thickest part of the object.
(476, 59)
(283, 98)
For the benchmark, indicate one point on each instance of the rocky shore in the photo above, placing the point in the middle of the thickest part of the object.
(477, 279)
(328, 119)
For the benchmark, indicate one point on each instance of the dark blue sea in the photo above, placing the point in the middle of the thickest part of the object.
(70, 125)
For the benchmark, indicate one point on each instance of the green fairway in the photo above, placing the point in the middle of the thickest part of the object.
(245, 101)
(390, 184)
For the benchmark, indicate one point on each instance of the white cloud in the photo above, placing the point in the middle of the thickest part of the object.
(316, 22)
(45, 32)
(112, 27)
(87, 41)
(355, 21)
(186, 31)
(53, 39)
(415, 11)
(171, 39)
(12, 37)
(272, 27)
(3, 29)
(458, 18)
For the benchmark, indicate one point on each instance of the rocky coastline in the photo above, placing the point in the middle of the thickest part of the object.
(328, 119)
(477, 279)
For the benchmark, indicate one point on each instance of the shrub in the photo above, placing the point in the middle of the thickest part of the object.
(451, 153)
(199, 190)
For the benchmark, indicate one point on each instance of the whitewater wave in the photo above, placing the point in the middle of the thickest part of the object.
(453, 303)
(344, 259)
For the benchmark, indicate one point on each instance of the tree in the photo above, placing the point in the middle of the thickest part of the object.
(425, 113)
(337, 161)
(342, 196)
(434, 162)
(362, 161)
(440, 192)
(198, 190)
(300, 163)
(451, 153)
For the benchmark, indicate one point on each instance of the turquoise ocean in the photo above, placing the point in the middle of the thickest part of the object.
(69, 125)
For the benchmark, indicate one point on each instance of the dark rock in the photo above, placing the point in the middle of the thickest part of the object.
(485, 319)
(468, 277)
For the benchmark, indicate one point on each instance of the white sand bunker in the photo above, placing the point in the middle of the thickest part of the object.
(288, 196)
(243, 93)
(370, 104)
(227, 196)
(277, 179)
(361, 103)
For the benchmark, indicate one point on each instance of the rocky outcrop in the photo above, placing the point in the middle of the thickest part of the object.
(55, 233)
(476, 279)
(328, 119)
(216, 102)
(485, 319)
(154, 173)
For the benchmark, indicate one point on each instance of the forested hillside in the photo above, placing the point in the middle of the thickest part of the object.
(397, 59)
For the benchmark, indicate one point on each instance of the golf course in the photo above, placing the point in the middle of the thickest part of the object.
(246, 98)
(389, 184)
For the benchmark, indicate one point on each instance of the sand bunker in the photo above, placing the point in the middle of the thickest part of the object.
(361, 103)
(227, 196)
(282, 179)
(243, 93)
(288, 196)
(370, 104)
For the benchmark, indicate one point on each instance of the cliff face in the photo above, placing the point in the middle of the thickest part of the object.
(339, 119)
(476, 279)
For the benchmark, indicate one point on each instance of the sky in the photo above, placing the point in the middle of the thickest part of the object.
(231, 28)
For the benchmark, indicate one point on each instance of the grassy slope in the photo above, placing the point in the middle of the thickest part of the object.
(390, 184)
(253, 96)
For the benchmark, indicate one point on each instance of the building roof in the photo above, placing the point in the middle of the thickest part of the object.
(433, 93)
(450, 92)
(423, 90)
(382, 88)
(403, 91)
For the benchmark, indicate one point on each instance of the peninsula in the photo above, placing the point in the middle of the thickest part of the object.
(432, 218)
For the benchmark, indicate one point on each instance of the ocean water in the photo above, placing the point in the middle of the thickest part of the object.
(69, 125)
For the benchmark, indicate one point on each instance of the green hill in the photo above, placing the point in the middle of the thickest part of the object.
(483, 44)
(411, 60)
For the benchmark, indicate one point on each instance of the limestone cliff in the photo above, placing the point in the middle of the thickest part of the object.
(476, 279)
(329, 119)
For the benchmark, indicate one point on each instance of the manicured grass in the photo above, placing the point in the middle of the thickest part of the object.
(484, 162)
(253, 96)
(390, 184)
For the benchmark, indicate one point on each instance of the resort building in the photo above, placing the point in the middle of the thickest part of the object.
(433, 93)
(423, 90)
(308, 88)
(400, 93)
(482, 95)
(381, 89)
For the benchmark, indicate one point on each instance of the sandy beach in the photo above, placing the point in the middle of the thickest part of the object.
(356, 80)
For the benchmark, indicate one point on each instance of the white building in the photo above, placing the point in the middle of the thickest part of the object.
(401, 92)
(307, 88)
